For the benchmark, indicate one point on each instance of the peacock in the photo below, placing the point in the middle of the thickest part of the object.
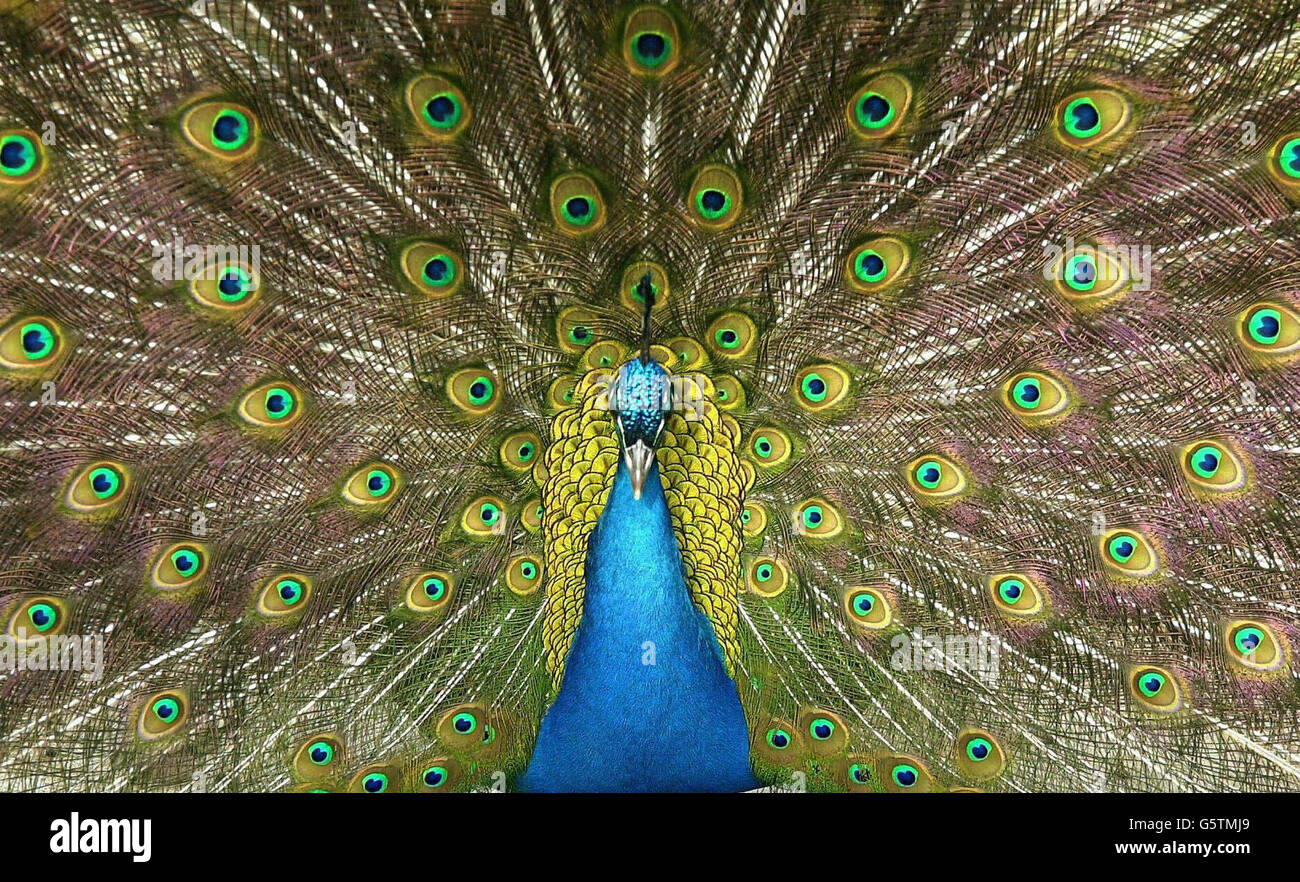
(525, 395)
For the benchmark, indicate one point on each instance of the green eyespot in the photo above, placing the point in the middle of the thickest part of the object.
(716, 197)
(22, 157)
(31, 344)
(270, 408)
(221, 130)
(936, 478)
(1254, 647)
(1270, 330)
(162, 714)
(767, 576)
(524, 575)
(372, 485)
(483, 517)
(1092, 118)
(284, 596)
(97, 490)
(437, 105)
(577, 206)
(473, 390)
(650, 42)
(429, 592)
(877, 264)
(1129, 553)
(879, 106)
(432, 268)
(1156, 689)
(179, 566)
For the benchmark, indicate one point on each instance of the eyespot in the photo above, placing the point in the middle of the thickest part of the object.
(778, 743)
(716, 197)
(530, 515)
(753, 519)
(688, 355)
(484, 516)
(868, 609)
(272, 406)
(1017, 596)
(1269, 329)
(879, 106)
(904, 774)
(520, 451)
(284, 596)
(1036, 398)
(631, 292)
(650, 43)
(732, 335)
(1155, 689)
(728, 394)
(37, 618)
(1212, 466)
(859, 775)
(162, 714)
(577, 205)
(769, 446)
(318, 757)
(1129, 553)
(1284, 160)
(1090, 274)
(575, 328)
(465, 727)
(474, 391)
(817, 519)
(607, 354)
(374, 484)
(31, 343)
(440, 775)
(221, 129)
(979, 755)
(225, 288)
(767, 576)
(524, 575)
(1254, 646)
(824, 732)
(820, 387)
(98, 489)
(438, 106)
(179, 566)
(429, 592)
(877, 264)
(376, 778)
(22, 157)
(1091, 118)
(936, 477)
(432, 268)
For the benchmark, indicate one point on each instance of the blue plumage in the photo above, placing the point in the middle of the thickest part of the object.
(621, 723)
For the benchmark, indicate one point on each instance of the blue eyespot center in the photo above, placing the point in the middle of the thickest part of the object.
(227, 128)
(437, 269)
(13, 154)
(713, 200)
(650, 45)
(875, 107)
(441, 108)
(578, 207)
(1086, 117)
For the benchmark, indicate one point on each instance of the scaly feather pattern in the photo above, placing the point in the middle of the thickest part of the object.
(989, 314)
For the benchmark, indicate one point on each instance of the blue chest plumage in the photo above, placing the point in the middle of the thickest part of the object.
(646, 703)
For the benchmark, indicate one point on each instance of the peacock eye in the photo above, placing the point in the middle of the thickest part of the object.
(290, 591)
(650, 42)
(483, 516)
(779, 739)
(519, 450)
(221, 129)
(434, 588)
(375, 782)
(1089, 119)
(1011, 590)
(1090, 274)
(104, 482)
(1210, 466)
(904, 775)
(473, 390)
(1156, 689)
(439, 271)
(978, 754)
(464, 723)
(576, 204)
(634, 283)
(821, 386)
(1270, 329)
(770, 446)
(434, 776)
(371, 485)
(767, 576)
(438, 106)
(877, 263)
(821, 729)
(978, 749)
(715, 197)
(234, 283)
(321, 753)
(1016, 595)
(271, 407)
(30, 343)
(162, 713)
(1254, 646)
(1081, 272)
(20, 157)
(863, 603)
(1287, 157)
(818, 519)
(283, 595)
(524, 575)
(1129, 553)
(1036, 397)
(732, 335)
(860, 773)
(179, 566)
(378, 483)
(879, 106)
(867, 609)
(936, 477)
(489, 514)
(38, 340)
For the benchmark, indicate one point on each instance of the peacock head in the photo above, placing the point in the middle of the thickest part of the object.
(639, 395)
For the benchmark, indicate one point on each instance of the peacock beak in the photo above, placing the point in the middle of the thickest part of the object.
(640, 457)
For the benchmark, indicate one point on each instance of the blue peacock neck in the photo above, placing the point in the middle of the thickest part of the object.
(646, 703)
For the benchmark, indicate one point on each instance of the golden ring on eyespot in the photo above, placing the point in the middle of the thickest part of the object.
(162, 713)
(766, 576)
(879, 106)
(373, 484)
(868, 608)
